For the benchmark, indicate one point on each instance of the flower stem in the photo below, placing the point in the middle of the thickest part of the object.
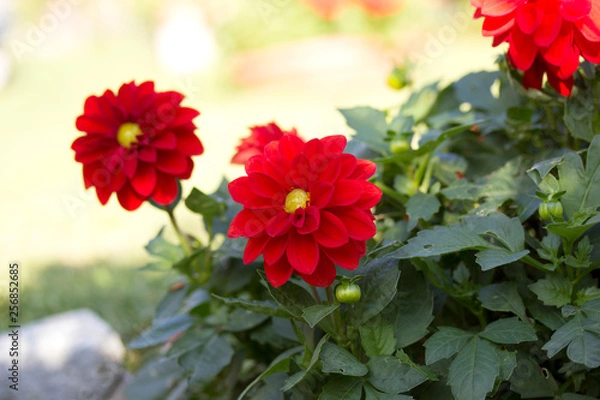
(534, 263)
(315, 294)
(185, 244)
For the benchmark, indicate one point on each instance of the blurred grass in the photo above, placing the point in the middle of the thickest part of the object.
(125, 297)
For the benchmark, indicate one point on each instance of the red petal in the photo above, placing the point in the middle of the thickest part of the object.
(591, 24)
(165, 141)
(183, 115)
(348, 166)
(359, 223)
(324, 274)
(244, 155)
(279, 272)
(242, 193)
(246, 223)
(129, 199)
(332, 232)
(522, 50)
(562, 86)
(264, 185)
(371, 195)
(275, 249)
(334, 144)
(144, 180)
(147, 154)
(364, 170)
(126, 95)
(290, 146)
(533, 77)
(346, 192)
(302, 252)
(548, 30)
(529, 17)
(300, 175)
(573, 10)
(172, 162)
(312, 218)
(497, 8)
(493, 26)
(320, 194)
(562, 47)
(279, 224)
(346, 256)
(254, 247)
(589, 50)
(327, 168)
(189, 144)
(98, 125)
(166, 189)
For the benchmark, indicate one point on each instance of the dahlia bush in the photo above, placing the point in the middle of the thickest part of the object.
(448, 250)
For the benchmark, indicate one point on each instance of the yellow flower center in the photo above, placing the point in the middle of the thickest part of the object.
(295, 199)
(128, 133)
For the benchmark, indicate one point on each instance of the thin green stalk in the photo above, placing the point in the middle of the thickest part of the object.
(388, 191)
(185, 244)
(418, 178)
(534, 263)
(315, 294)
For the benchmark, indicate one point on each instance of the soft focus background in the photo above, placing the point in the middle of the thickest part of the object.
(240, 62)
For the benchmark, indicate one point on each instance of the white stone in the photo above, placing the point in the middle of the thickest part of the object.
(70, 356)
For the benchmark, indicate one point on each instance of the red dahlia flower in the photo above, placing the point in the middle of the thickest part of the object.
(544, 36)
(138, 143)
(306, 208)
(260, 136)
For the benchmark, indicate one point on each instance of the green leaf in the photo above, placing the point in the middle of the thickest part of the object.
(373, 394)
(258, 306)
(421, 206)
(242, 320)
(582, 186)
(502, 297)
(390, 375)
(208, 360)
(370, 126)
(574, 396)
(507, 363)
(445, 343)
(162, 331)
(299, 376)
(509, 331)
(290, 296)
(342, 388)
(492, 258)
(205, 205)
(576, 226)
(581, 337)
(411, 310)
(167, 252)
(314, 314)
(154, 380)
(528, 380)
(539, 170)
(581, 115)
(547, 315)
(281, 363)
(441, 240)
(553, 290)
(190, 340)
(508, 231)
(378, 288)
(338, 360)
(592, 309)
(585, 295)
(377, 337)
(473, 372)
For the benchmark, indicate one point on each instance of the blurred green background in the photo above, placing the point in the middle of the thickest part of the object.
(240, 62)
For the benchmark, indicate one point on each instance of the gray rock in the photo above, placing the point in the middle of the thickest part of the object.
(70, 356)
